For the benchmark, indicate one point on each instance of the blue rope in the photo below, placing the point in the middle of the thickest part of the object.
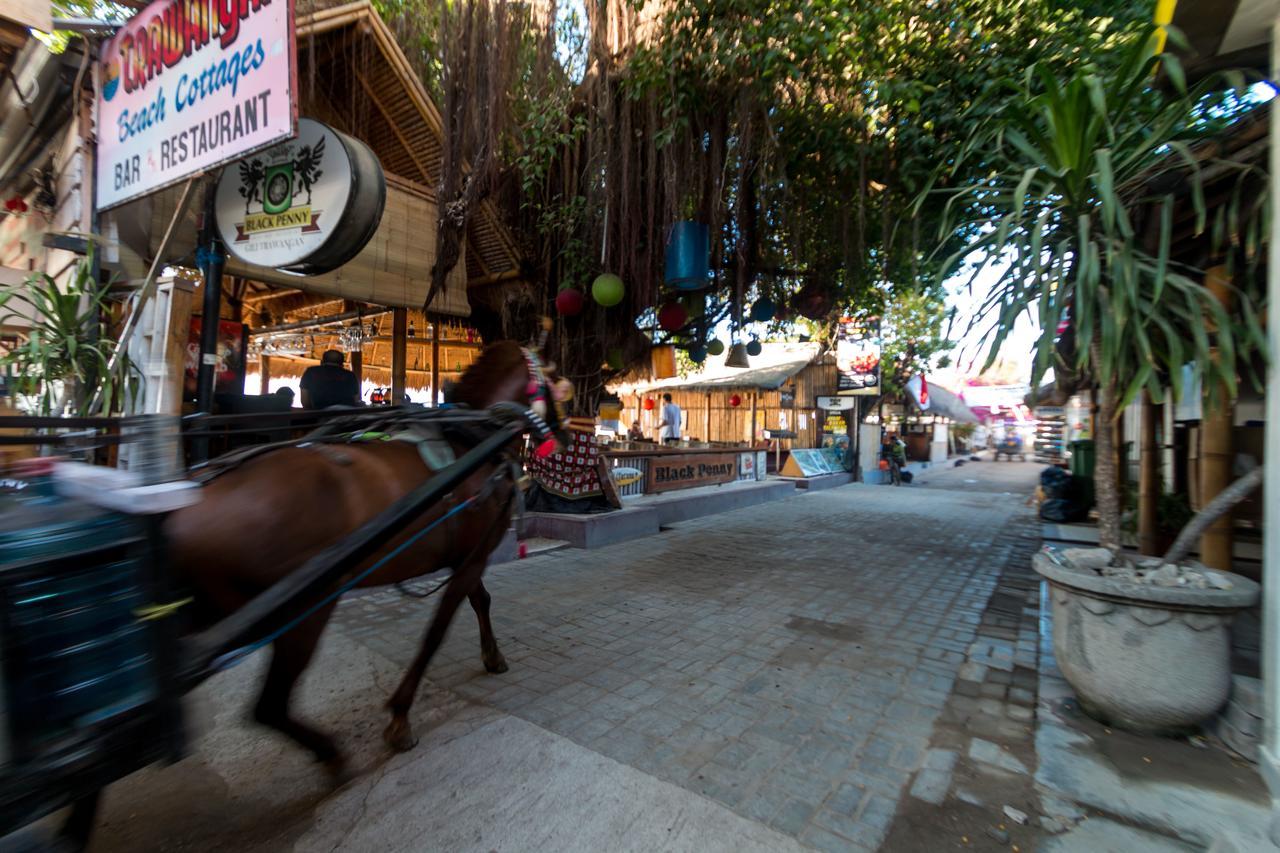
(235, 656)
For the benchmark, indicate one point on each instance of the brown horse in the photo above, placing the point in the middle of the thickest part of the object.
(261, 521)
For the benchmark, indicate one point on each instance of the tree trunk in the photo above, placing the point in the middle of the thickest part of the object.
(1104, 473)
(1218, 507)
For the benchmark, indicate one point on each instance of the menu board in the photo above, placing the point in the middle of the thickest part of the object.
(812, 463)
(858, 347)
(686, 471)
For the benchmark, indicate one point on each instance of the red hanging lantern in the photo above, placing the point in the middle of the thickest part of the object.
(735, 400)
(649, 404)
(569, 302)
(672, 317)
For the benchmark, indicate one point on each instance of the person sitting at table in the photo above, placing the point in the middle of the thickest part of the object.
(635, 433)
(329, 383)
(286, 393)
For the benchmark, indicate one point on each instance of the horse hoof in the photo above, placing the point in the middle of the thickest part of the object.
(497, 665)
(399, 736)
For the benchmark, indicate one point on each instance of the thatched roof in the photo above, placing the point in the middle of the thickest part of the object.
(769, 371)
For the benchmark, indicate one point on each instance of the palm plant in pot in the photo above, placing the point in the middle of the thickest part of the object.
(1082, 173)
(65, 360)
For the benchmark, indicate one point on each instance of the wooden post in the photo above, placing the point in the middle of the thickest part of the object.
(708, 418)
(357, 367)
(435, 363)
(1149, 479)
(1215, 451)
(264, 371)
(399, 338)
(755, 396)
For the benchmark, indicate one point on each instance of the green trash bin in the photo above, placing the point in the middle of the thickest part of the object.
(1083, 457)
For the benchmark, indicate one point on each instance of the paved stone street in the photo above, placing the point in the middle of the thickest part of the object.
(792, 675)
(788, 661)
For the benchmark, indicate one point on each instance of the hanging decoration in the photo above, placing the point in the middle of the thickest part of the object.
(663, 361)
(737, 356)
(715, 346)
(688, 250)
(735, 400)
(672, 317)
(649, 404)
(607, 290)
(812, 302)
(697, 354)
(754, 348)
(569, 302)
(763, 310)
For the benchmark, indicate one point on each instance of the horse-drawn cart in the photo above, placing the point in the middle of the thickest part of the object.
(94, 654)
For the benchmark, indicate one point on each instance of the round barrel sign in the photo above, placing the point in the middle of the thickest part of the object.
(305, 206)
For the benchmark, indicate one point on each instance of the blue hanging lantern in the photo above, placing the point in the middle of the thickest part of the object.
(697, 354)
(688, 250)
(754, 348)
(764, 310)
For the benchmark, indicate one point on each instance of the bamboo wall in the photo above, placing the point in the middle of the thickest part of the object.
(731, 424)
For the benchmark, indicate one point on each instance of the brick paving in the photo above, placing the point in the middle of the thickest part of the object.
(789, 660)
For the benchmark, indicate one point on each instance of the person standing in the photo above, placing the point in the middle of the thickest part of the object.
(329, 384)
(669, 427)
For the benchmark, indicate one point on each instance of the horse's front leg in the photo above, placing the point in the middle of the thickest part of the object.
(290, 655)
(493, 660)
(398, 734)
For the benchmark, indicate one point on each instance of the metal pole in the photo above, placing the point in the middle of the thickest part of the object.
(1271, 491)
(209, 256)
(1270, 753)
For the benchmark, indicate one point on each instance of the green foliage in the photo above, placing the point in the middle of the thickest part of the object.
(64, 359)
(863, 101)
(1068, 161)
(915, 329)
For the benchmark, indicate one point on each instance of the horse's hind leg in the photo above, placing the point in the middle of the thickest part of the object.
(493, 659)
(398, 734)
(290, 655)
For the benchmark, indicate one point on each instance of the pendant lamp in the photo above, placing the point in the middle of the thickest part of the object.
(737, 356)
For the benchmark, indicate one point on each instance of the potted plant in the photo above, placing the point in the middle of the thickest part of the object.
(65, 359)
(1071, 157)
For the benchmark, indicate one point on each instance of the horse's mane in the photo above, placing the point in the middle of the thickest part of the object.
(498, 363)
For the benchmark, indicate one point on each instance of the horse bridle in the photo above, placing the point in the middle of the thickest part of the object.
(542, 412)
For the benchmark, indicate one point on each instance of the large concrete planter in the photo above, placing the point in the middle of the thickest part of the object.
(1148, 659)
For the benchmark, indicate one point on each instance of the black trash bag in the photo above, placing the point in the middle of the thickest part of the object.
(1056, 483)
(907, 476)
(1062, 511)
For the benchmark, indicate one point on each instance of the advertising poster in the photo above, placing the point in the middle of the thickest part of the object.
(230, 367)
(858, 357)
(186, 85)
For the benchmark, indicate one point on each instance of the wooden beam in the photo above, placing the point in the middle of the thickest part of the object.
(399, 336)
(394, 125)
(264, 370)
(357, 366)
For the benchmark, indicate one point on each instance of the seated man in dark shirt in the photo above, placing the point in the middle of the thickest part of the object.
(329, 384)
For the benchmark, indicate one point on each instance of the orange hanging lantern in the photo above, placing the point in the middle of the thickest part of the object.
(663, 359)
(649, 404)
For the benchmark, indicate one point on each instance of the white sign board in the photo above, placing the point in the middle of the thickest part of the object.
(187, 85)
(279, 207)
(836, 404)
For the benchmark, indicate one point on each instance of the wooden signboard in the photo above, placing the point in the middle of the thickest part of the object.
(685, 472)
